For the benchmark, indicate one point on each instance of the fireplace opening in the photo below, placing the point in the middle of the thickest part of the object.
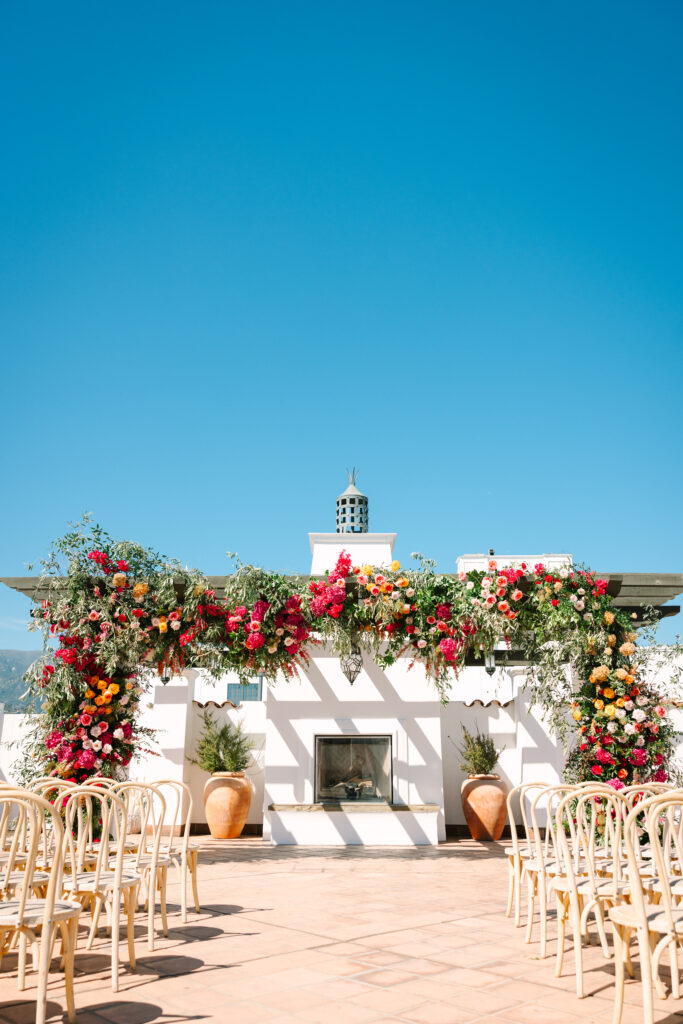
(353, 768)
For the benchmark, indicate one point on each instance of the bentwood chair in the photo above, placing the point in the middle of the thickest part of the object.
(31, 823)
(93, 815)
(587, 838)
(182, 855)
(518, 851)
(148, 863)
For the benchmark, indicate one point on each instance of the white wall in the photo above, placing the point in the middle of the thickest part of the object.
(12, 730)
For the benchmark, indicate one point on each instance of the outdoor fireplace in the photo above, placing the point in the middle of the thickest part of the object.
(353, 768)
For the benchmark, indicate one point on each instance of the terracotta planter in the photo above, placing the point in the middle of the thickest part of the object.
(227, 796)
(483, 801)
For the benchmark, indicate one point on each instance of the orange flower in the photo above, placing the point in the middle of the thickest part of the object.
(114, 688)
(99, 700)
(89, 694)
(598, 704)
(608, 618)
(608, 692)
(107, 698)
(139, 591)
(403, 582)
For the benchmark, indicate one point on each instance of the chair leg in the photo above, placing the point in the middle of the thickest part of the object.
(131, 900)
(561, 905)
(575, 914)
(646, 976)
(519, 874)
(21, 964)
(182, 871)
(115, 917)
(531, 886)
(43, 970)
(543, 913)
(673, 960)
(69, 929)
(163, 874)
(192, 861)
(96, 910)
(620, 953)
(151, 907)
(600, 922)
(511, 885)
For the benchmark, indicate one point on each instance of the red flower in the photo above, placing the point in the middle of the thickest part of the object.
(596, 769)
(554, 602)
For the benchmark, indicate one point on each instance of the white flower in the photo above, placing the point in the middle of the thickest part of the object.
(573, 598)
(641, 701)
(557, 586)
(628, 704)
(395, 595)
(469, 585)
(421, 643)
(409, 620)
(124, 700)
(106, 749)
(581, 591)
(620, 713)
(580, 605)
(95, 731)
(289, 641)
(564, 573)
(272, 649)
(97, 745)
(630, 729)
(87, 744)
(118, 734)
(639, 715)
(279, 631)
(418, 630)
(640, 742)
(175, 624)
(611, 727)
(587, 617)
(410, 592)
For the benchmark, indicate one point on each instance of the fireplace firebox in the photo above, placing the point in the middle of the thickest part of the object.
(353, 768)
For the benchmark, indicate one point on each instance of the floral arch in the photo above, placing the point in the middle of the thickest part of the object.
(117, 610)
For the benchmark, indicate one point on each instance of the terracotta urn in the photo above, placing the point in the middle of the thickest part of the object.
(227, 797)
(483, 801)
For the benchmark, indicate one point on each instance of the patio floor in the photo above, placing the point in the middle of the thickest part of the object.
(291, 934)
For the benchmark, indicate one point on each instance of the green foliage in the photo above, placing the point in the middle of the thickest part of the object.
(223, 748)
(478, 752)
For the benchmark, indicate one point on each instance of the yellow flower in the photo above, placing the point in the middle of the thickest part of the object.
(403, 582)
(576, 715)
(608, 618)
(367, 570)
(611, 639)
(119, 579)
(608, 692)
(101, 685)
(197, 591)
(139, 591)
(621, 673)
(599, 704)
(129, 685)
(610, 711)
(620, 702)
(114, 688)
(395, 565)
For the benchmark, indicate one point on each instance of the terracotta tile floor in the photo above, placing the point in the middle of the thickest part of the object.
(330, 936)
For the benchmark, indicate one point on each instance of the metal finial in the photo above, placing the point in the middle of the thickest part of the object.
(352, 475)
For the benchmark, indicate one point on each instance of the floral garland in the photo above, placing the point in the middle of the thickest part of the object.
(117, 610)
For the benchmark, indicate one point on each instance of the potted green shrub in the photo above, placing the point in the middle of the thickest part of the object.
(226, 752)
(483, 793)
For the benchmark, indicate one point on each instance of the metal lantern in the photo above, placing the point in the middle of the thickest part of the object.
(490, 662)
(352, 663)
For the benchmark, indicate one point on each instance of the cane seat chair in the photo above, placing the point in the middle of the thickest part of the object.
(178, 849)
(148, 861)
(93, 815)
(518, 851)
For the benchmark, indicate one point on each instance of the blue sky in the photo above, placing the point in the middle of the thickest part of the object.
(245, 246)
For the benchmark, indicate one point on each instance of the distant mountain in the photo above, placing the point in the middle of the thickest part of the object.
(13, 664)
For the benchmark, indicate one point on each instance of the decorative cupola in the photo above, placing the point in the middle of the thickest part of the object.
(352, 508)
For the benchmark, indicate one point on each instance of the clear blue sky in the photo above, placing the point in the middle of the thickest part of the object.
(246, 245)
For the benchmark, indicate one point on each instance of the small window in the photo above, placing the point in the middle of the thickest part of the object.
(238, 693)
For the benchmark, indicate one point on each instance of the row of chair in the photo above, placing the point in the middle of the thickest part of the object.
(104, 845)
(602, 854)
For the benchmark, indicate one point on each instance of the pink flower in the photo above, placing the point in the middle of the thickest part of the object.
(94, 616)
(462, 576)
(638, 757)
(85, 719)
(659, 710)
(254, 641)
(503, 606)
(661, 776)
(493, 565)
(53, 739)
(490, 600)
(603, 756)
(448, 648)
(254, 626)
(615, 783)
(517, 595)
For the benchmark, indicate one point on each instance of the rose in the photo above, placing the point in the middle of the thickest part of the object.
(596, 769)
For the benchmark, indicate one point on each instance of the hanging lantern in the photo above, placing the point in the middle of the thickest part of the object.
(352, 663)
(490, 662)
